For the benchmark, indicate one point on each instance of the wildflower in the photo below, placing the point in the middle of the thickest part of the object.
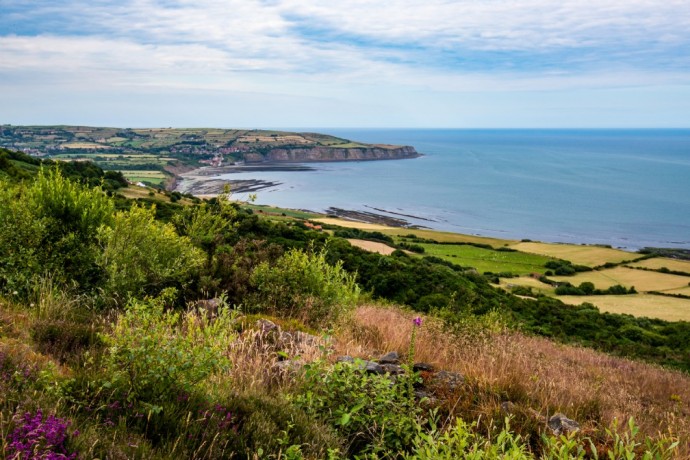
(417, 321)
(37, 438)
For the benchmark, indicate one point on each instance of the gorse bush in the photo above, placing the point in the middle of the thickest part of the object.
(304, 285)
(142, 256)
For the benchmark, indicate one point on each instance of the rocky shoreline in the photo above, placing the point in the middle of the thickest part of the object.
(198, 182)
(374, 218)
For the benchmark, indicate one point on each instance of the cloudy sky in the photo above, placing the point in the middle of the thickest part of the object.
(346, 63)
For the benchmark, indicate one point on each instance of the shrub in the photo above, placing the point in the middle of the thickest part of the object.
(371, 413)
(49, 228)
(154, 355)
(461, 441)
(303, 285)
(143, 256)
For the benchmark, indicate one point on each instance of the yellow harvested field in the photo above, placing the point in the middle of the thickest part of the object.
(447, 237)
(289, 139)
(651, 306)
(591, 256)
(143, 173)
(350, 223)
(660, 262)
(84, 145)
(641, 279)
(682, 291)
(526, 281)
(372, 246)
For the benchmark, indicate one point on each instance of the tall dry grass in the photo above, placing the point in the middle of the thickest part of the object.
(535, 374)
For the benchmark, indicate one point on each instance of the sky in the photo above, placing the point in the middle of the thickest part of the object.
(346, 63)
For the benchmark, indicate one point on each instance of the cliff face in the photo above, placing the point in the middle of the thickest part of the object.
(313, 154)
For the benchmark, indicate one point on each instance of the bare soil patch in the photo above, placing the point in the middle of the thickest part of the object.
(372, 246)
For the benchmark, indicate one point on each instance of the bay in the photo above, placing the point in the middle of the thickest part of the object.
(624, 188)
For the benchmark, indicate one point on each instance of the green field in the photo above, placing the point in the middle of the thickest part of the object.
(293, 213)
(487, 260)
(153, 177)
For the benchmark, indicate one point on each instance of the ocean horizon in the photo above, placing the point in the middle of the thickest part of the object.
(620, 187)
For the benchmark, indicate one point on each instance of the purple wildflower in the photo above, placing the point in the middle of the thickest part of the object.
(417, 321)
(38, 438)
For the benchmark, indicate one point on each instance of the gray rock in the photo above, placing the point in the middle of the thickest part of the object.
(422, 367)
(447, 380)
(419, 394)
(560, 424)
(390, 358)
(288, 366)
(392, 369)
(507, 407)
(373, 368)
(266, 326)
(345, 359)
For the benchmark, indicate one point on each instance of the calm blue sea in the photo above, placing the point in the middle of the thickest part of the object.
(626, 188)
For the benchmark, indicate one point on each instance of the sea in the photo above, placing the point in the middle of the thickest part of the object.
(623, 188)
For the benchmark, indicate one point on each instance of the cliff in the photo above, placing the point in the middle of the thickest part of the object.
(314, 154)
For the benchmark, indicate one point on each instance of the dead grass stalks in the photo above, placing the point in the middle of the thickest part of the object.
(532, 373)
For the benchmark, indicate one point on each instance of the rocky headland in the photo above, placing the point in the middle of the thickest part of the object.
(320, 154)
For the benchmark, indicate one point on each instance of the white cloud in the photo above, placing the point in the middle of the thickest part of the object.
(376, 53)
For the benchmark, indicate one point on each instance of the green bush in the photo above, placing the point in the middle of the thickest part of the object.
(154, 355)
(303, 285)
(374, 415)
(461, 441)
(49, 229)
(143, 256)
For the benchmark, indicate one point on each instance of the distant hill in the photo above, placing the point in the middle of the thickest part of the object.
(194, 144)
(157, 156)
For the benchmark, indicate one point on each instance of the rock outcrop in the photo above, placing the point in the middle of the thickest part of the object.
(317, 154)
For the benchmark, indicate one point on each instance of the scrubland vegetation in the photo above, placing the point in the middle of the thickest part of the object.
(129, 330)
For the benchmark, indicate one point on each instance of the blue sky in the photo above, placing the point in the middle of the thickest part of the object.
(346, 63)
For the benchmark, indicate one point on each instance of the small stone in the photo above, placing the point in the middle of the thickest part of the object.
(373, 368)
(449, 380)
(289, 366)
(419, 394)
(390, 358)
(507, 407)
(345, 359)
(267, 326)
(560, 424)
(392, 369)
(423, 367)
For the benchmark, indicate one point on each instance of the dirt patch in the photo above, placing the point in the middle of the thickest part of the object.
(350, 224)
(372, 246)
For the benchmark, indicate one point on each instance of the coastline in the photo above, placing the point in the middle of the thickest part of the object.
(196, 182)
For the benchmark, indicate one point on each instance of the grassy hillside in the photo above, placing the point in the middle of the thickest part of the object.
(150, 329)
